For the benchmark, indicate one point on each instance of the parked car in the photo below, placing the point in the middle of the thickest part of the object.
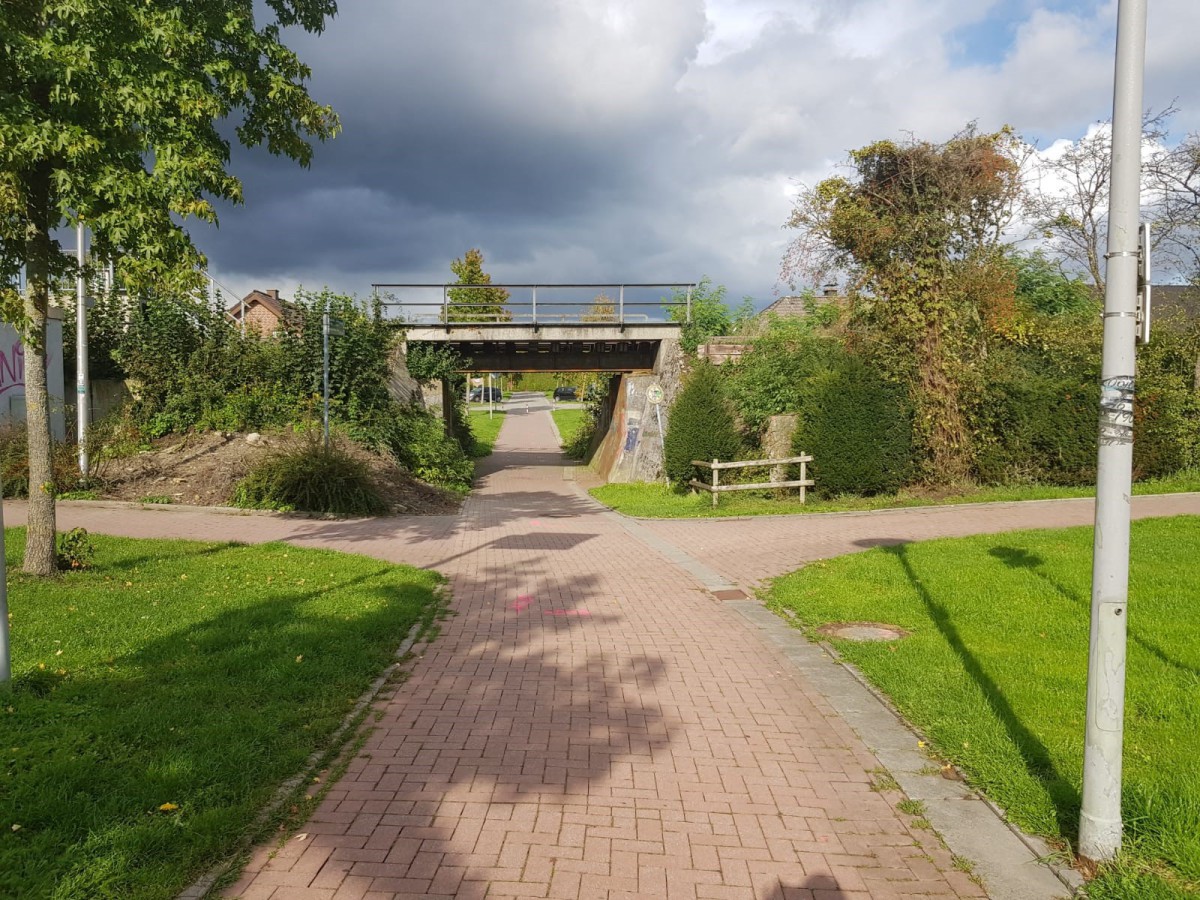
(486, 394)
(565, 392)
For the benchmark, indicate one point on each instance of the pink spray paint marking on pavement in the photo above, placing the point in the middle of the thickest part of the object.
(523, 602)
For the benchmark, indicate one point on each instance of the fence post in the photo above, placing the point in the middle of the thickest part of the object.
(803, 477)
(716, 480)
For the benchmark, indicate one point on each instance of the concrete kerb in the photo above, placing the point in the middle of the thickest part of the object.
(888, 511)
(203, 886)
(1013, 865)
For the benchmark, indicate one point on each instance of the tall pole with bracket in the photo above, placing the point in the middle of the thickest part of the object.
(1100, 818)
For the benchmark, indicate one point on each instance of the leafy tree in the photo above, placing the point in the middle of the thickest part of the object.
(710, 315)
(700, 426)
(110, 116)
(476, 304)
(919, 229)
(602, 309)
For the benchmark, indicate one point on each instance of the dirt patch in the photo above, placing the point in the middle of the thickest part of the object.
(862, 631)
(204, 470)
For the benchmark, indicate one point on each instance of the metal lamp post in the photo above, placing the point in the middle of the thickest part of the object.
(1100, 818)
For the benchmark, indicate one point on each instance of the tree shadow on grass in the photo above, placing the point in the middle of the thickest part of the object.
(1038, 762)
(1019, 558)
(210, 717)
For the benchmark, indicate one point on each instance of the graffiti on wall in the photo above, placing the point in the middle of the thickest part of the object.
(12, 368)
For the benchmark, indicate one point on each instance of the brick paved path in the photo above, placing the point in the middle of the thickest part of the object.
(591, 723)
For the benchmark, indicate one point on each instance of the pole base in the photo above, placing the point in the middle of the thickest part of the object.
(1099, 839)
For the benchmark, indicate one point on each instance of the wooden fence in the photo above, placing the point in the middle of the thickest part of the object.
(716, 488)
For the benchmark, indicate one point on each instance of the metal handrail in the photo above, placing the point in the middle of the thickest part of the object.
(461, 312)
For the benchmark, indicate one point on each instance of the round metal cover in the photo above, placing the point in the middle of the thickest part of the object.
(655, 394)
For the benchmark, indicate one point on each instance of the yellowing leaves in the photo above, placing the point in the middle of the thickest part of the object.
(168, 807)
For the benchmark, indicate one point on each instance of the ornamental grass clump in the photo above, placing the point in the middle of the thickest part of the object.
(311, 478)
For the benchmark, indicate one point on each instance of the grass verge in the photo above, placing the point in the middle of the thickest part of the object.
(568, 421)
(162, 696)
(994, 672)
(485, 428)
(660, 501)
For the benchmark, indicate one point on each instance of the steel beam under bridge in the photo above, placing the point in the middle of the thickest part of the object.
(582, 347)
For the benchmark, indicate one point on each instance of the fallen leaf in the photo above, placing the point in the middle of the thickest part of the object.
(168, 807)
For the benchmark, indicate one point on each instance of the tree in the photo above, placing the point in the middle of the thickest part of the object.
(709, 317)
(1068, 206)
(1175, 180)
(110, 117)
(476, 304)
(919, 229)
(602, 309)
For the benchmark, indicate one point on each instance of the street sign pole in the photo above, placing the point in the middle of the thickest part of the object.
(1100, 817)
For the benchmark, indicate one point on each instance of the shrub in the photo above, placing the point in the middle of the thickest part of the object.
(75, 550)
(1035, 423)
(14, 463)
(701, 426)
(769, 379)
(858, 429)
(312, 479)
(417, 439)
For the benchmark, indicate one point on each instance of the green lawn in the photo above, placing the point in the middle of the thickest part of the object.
(191, 674)
(485, 428)
(995, 667)
(568, 421)
(659, 501)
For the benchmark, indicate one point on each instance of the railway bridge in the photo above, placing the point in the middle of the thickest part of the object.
(630, 332)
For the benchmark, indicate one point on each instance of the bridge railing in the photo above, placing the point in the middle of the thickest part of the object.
(537, 304)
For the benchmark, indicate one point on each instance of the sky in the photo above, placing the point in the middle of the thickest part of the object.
(645, 140)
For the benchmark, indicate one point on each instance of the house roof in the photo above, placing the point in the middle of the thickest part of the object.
(269, 300)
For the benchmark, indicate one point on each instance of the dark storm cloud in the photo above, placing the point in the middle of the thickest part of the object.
(628, 139)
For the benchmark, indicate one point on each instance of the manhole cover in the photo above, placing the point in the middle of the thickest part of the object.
(862, 631)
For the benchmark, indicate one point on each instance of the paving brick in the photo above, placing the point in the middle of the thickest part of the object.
(590, 723)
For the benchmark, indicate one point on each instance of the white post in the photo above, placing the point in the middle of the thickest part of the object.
(82, 394)
(491, 396)
(716, 482)
(1100, 818)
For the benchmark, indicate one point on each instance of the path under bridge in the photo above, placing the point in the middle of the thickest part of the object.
(630, 332)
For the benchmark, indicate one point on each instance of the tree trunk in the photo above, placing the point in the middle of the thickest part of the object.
(40, 555)
(941, 417)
